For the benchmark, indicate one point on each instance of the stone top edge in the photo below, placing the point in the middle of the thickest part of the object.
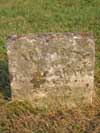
(30, 36)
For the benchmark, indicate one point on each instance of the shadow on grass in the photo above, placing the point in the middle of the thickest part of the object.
(4, 80)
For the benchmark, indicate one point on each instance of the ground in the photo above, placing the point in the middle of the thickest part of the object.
(28, 16)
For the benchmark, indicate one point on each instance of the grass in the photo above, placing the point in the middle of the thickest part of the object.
(21, 117)
(28, 16)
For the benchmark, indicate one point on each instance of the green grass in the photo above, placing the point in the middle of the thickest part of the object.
(32, 16)
(28, 16)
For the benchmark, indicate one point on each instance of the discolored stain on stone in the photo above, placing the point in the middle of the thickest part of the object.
(52, 66)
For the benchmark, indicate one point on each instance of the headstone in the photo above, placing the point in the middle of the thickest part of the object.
(52, 68)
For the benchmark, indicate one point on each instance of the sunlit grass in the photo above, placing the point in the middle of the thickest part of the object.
(32, 16)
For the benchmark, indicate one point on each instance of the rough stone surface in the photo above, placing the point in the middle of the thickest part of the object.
(52, 68)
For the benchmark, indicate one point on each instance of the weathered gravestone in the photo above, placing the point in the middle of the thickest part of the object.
(52, 68)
